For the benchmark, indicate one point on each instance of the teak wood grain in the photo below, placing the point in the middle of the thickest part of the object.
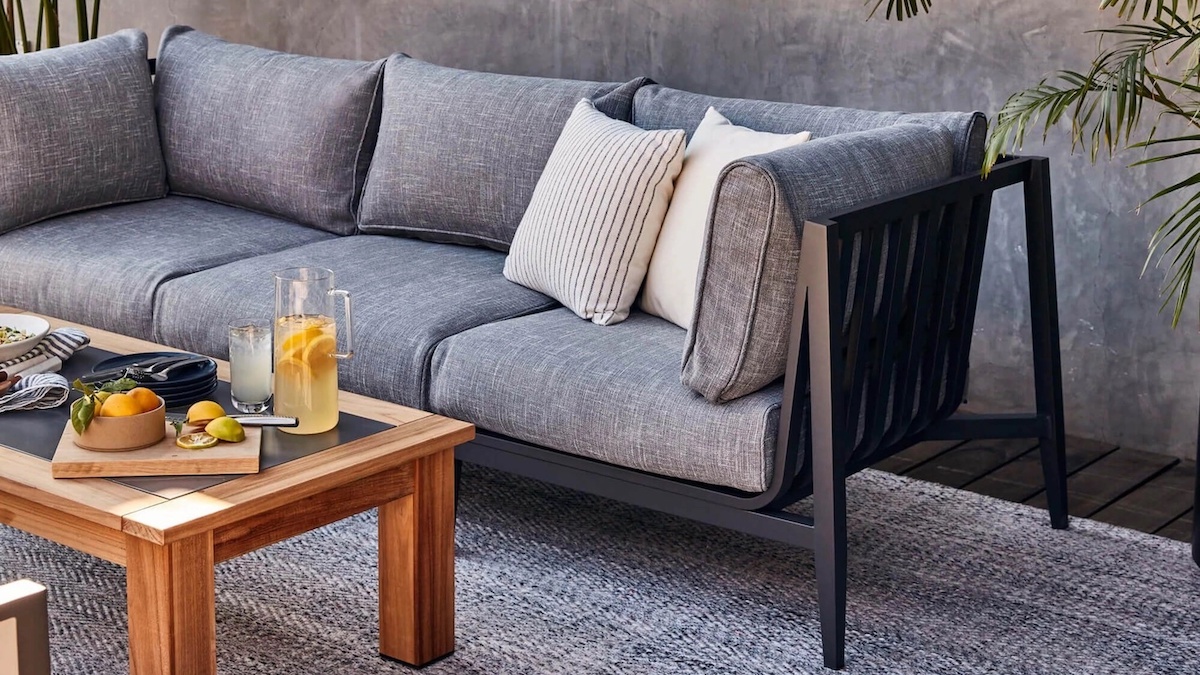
(416, 566)
(62, 526)
(161, 459)
(172, 610)
(301, 516)
(244, 497)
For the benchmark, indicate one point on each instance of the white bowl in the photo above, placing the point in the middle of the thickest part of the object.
(33, 325)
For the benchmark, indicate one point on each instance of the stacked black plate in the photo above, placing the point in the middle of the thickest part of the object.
(184, 385)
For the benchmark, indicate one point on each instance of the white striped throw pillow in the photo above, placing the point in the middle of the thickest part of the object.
(589, 231)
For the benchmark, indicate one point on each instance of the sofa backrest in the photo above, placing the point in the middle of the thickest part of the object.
(659, 107)
(276, 133)
(460, 152)
(77, 129)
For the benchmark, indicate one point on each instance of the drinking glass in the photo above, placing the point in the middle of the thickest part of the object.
(250, 358)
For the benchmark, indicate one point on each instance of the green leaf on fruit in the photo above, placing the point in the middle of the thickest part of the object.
(123, 384)
(178, 428)
(82, 412)
(78, 385)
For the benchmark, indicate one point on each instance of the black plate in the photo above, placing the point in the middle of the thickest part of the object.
(169, 388)
(196, 374)
(188, 398)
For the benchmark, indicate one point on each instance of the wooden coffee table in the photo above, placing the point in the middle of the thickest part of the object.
(169, 545)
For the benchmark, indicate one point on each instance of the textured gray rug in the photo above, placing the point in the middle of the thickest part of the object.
(551, 581)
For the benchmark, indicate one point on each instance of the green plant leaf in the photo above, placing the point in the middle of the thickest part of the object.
(82, 412)
(123, 384)
(87, 389)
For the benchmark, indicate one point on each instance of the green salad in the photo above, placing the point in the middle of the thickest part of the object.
(11, 335)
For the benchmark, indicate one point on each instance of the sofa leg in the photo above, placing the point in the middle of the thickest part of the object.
(829, 547)
(1047, 359)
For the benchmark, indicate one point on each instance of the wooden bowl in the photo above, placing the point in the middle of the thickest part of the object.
(121, 434)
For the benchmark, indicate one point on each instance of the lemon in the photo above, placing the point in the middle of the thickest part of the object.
(120, 405)
(146, 399)
(204, 412)
(226, 429)
(101, 397)
(294, 344)
(293, 371)
(200, 441)
(318, 352)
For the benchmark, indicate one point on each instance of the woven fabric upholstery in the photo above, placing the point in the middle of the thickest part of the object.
(77, 129)
(460, 152)
(738, 340)
(103, 267)
(277, 133)
(659, 107)
(409, 295)
(610, 393)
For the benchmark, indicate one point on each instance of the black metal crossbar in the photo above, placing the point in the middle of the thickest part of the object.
(877, 361)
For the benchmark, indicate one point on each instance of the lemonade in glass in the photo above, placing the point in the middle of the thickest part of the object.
(306, 385)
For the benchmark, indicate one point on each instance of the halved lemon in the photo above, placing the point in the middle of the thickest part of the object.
(199, 441)
(293, 370)
(294, 344)
(318, 353)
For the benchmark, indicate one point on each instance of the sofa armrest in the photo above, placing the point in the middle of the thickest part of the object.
(24, 629)
(747, 278)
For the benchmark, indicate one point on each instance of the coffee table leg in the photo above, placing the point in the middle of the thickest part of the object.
(172, 618)
(416, 566)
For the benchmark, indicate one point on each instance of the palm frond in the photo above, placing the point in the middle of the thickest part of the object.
(1128, 9)
(900, 9)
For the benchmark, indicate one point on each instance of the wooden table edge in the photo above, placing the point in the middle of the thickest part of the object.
(241, 498)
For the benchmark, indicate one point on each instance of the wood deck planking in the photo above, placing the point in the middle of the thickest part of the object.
(1021, 479)
(1125, 487)
(963, 464)
(1109, 479)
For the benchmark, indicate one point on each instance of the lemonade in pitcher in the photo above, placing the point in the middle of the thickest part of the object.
(306, 384)
(306, 355)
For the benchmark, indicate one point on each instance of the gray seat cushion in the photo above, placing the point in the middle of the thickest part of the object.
(659, 107)
(77, 129)
(103, 267)
(460, 152)
(610, 393)
(409, 295)
(278, 133)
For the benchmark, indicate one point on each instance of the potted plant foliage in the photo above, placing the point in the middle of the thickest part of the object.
(16, 37)
(1142, 92)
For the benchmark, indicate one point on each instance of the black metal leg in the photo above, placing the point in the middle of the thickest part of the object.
(1047, 360)
(829, 546)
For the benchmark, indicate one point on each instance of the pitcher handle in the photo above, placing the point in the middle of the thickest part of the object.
(345, 296)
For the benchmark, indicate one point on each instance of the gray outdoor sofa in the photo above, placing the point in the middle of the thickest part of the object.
(159, 207)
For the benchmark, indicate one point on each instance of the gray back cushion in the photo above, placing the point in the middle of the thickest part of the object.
(281, 134)
(77, 129)
(659, 107)
(460, 152)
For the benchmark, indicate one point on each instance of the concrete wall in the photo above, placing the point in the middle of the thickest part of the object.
(1130, 379)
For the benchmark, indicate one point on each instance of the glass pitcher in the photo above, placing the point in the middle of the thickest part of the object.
(306, 355)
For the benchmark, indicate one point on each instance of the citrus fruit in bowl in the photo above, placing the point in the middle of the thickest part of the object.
(19, 333)
(125, 421)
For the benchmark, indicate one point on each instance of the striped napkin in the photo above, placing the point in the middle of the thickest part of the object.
(38, 387)
(36, 392)
(58, 345)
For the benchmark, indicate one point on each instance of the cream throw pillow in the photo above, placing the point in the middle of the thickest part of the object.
(588, 233)
(671, 280)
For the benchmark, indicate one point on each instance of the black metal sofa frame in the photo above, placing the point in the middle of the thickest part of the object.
(861, 361)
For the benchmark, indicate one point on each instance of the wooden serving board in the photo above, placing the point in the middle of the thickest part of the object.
(161, 459)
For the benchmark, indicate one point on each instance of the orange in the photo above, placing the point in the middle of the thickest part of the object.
(120, 405)
(145, 398)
